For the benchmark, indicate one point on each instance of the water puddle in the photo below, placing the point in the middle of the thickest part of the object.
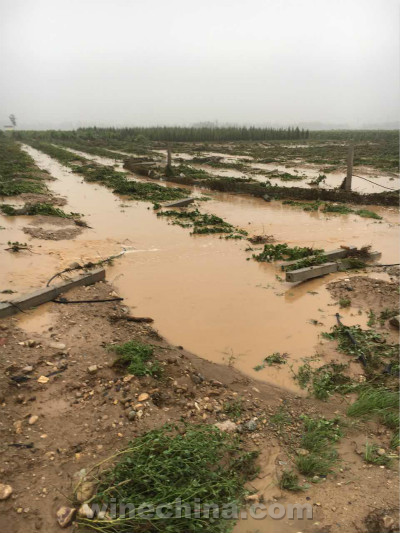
(200, 290)
(36, 320)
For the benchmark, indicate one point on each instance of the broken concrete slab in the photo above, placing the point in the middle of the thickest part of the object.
(311, 272)
(183, 202)
(332, 255)
(41, 296)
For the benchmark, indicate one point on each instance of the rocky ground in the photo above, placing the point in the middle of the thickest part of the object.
(64, 408)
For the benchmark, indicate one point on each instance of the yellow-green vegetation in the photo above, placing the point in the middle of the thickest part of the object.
(171, 466)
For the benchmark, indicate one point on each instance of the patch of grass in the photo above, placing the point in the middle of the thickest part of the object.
(306, 206)
(380, 402)
(344, 302)
(372, 456)
(280, 418)
(166, 465)
(319, 437)
(276, 252)
(136, 357)
(366, 213)
(234, 408)
(313, 465)
(289, 480)
(332, 208)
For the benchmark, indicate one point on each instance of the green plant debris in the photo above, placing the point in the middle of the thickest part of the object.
(318, 259)
(306, 206)
(274, 359)
(137, 358)
(164, 466)
(37, 208)
(18, 172)
(16, 246)
(325, 380)
(281, 418)
(369, 346)
(276, 252)
(203, 223)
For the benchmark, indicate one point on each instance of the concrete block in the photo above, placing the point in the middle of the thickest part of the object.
(180, 203)
(41, 296)
(311, 272)
(331, 255)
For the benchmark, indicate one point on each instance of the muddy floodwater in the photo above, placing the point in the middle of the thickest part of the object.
(201, 291)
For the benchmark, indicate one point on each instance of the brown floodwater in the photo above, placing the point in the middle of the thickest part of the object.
(202, 291)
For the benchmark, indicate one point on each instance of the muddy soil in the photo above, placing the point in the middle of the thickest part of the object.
(368, 293)
(82, 417)
(52, 228)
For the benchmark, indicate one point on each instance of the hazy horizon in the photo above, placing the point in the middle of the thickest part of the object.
(314, 63)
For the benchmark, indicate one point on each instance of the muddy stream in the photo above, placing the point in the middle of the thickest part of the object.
(201, 291)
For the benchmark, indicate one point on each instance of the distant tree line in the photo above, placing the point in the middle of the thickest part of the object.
(182, 134)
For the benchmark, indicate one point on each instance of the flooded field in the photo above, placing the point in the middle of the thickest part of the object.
(202, 291)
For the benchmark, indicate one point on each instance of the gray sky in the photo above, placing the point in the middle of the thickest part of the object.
(142, 62)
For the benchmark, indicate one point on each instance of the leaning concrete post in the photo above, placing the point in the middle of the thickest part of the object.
(349, 175)
(169, 155)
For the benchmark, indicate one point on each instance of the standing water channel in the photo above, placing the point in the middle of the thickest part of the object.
(201, 291)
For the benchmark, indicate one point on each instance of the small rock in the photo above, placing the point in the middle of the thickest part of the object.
(27, 369)
(85, 491)
(253, 498)
(92, 369)
(43, 379)
(131, 415)
(5, 491)
(388, 521)
(65, 515)
(227, 426)
(395, 321)
(85, 511)
(381, 451)
(251, 425)
(266, 198)
(143, 397)
(33, 419)
(57, 345)
(302, 451)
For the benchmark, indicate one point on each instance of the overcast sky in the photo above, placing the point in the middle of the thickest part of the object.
(145, 62)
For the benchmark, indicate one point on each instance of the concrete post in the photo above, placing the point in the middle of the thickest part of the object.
(169, 155)
(349, 175)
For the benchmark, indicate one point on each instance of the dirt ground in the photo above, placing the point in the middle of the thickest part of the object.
(368, 293)
(77, 417)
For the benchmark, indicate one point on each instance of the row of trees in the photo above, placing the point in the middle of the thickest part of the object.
(180, 134)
